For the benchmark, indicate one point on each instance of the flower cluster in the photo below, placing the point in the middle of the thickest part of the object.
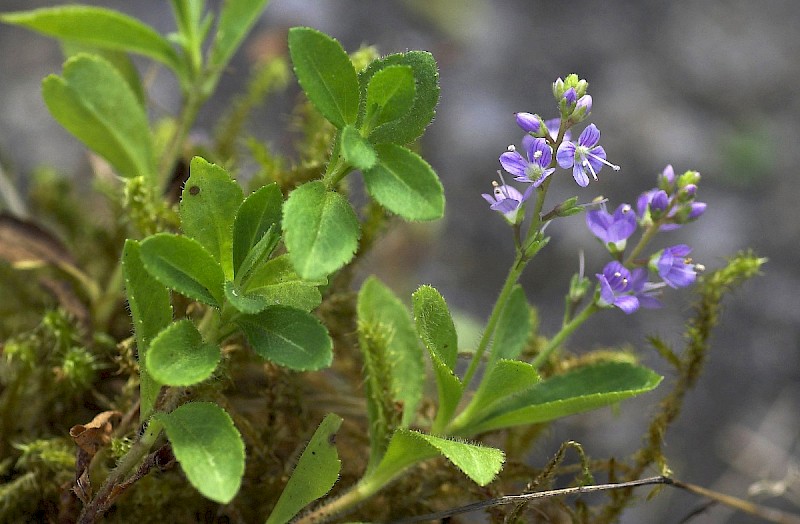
(663, 208)
(548, 144)
(625, 282)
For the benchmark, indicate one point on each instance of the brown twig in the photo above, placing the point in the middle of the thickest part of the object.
(768, 514)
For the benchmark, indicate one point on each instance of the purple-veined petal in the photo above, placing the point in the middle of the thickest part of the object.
(580, 176)
(566, 154)
(627, 303)
(513, 163)
(589, 137)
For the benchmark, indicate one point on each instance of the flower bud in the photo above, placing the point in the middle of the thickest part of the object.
(689, 177)
(570, 96)
(529, 123)
(582, 108)
(666, 180)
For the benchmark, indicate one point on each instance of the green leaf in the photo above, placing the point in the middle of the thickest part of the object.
(316, 472)
(258, 254)
(505, 378)
(356, 150)
(437, 331)
(277, 282)
(258, 213)
(479, 463)
(390, 95)
(151, 311)
(99, 27)
(449, 390)
(236, 19)
(379, 308)
(289, 337)
(208, 447)
(513, 327)
(412, 124)
(119, 59)
(405, 184)
(321, 230)
(584, 389)
(179, 356)
(182, 264)
(95, 103)
(435, 325)
(326, 74)
(248, 303)
(209, 203)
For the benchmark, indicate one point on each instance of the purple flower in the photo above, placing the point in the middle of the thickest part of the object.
(615, 284)
(674, 266)
(643, 290)
(586, 154)
(612, 229)
(508, 201)
(535, 169)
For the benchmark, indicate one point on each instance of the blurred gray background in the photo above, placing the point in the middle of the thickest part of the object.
(710, 86)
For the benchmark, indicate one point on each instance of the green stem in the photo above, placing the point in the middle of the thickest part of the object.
(647, 236)
(104, 499)
(107, 302)
(368, 486)
(565, 332)
(513, 275)
(194, 100)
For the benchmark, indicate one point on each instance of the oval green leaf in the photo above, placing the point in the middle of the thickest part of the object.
(321, 230)
(390, 95)
(479, 463)
(235, 20)
(513, 328)
(259, 211)
(379, 308)
(289, 337)
(435, 325)
(356, 150)
(151, 311)
(279, 284)
(209, 203)
(182, 264)
(95, 103)
(99, 27)
(316, 472)
(412, 124)
(405, 184)
(208, 447)
(583, 389)
(326, 74)
(179, 356)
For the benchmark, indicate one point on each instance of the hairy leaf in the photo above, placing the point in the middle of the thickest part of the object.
(209, 448)
(316, 472)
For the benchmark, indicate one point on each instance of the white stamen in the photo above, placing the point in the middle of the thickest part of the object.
(603, 161)
(588, 164)
(512, 148)
(537, 155)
